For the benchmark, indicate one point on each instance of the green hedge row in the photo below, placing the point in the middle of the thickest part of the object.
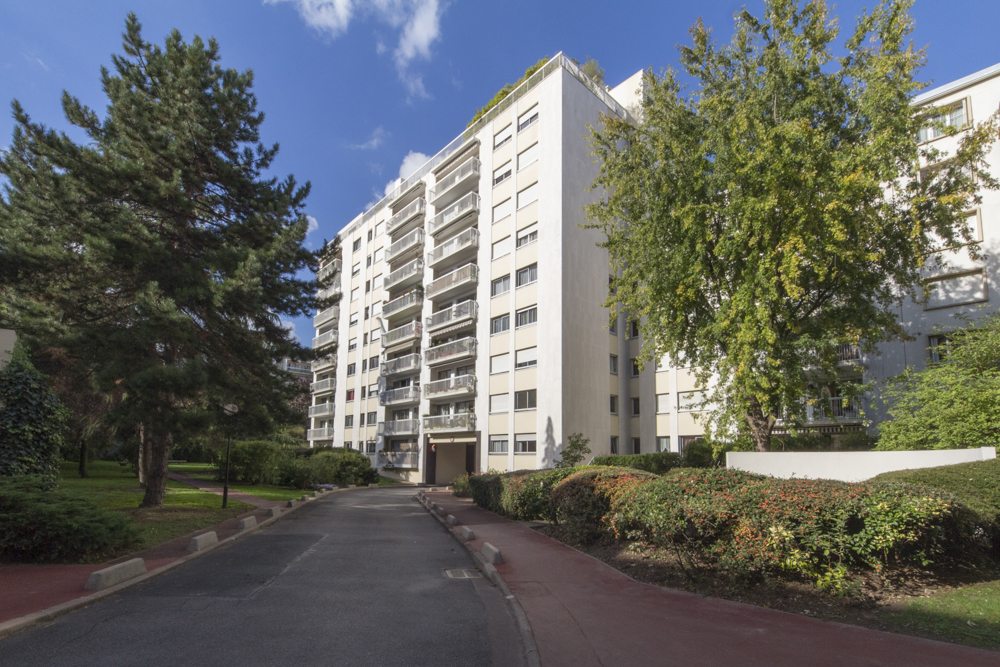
(262, 462)
(657, 464)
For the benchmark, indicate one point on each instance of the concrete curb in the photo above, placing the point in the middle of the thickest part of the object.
(14, 625)
(531, 657)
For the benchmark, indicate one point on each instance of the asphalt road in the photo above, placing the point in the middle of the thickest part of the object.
(357, 578)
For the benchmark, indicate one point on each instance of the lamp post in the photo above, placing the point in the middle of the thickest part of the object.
(230, 409)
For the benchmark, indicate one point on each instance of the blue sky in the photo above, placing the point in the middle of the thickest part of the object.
(354, 90)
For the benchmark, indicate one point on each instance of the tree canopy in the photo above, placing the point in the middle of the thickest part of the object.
(776, 211)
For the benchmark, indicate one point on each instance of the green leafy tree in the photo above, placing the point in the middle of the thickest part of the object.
(952, 403)
(159, 254)
(593, 69)
(507, 90)
(574, 451)
(771, 214)
(32, 421)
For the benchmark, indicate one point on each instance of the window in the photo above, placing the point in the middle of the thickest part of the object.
(376, 333)
(950, 116)
(663, 443)
(501, 247)
(349, 421)
(614, 364)
(500, 324)
(614, 404)
(352, 344)
(525, 400)
(373, 389)
(500, 363)
(369, 235)
(529, 117)
(378, 230)
(614, 444)
(527, 275)
(526, 357)
(500, 286)
(502, 137)
(370, 446)
(663, 403)
(368, 262)
(527, 235)
(351, 369)
(356, 269)
(361, 422)
(373, 362)
(498, 446)
(524, 444)
(689, 401)
(366, 312)
(633, 329)
(527, 195)
(502, 210)
(526, 157)
(354, 317)
(635, 368)
(362, 389)
(501, 173)
(371, 415)
(379, 254)
(938, 346)
(527, 316)
(357, 245)
(347, 443)
(635, 405)
(636, 446)
(499, 403)
(354, 293)
(613, 327)
(686, 440)
(368, 288)
(350, 394)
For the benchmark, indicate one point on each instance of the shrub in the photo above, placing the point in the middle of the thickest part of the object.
(699, 454)
(802, 442)
(42, 525)
(581, 501)
(526, 495)
(250, 462)
(193, 452)
(574, 451)
(857, 441)
(338, 465)
(460, 487)
(657, 464)
(485, 490)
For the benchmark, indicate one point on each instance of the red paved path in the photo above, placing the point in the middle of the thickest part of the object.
(583, 612)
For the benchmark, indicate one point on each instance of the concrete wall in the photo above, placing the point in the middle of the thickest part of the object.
(849, 466)
(7, 339)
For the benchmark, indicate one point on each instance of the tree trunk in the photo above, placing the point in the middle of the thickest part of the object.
(83, 458)
(760, 427)
(156, 479)
(140, 464)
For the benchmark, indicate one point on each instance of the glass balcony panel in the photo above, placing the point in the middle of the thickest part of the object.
(398, 459)
(466, 205)
(321, 410)
(466, 243)
(461, 384)
(410, 211)
(451, 282)
(324, 363)
(401, 334)
(325, 339)
(461, 422)
(413, 240)
(406, 274)
(405, 364)
(455, 184)
(319, 434)
(331, 291)
(453, 351)
(399, 427)
(409, 302)
(467, 310)
(329, 269)
(326, 315)
(323, 385)
(409, 394)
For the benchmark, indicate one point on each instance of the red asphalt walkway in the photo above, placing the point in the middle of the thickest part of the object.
(583, 612)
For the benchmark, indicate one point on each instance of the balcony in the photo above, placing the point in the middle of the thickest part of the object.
(324, 363)
(398, 459)
(324, 339)
(461, 385)
(319, 434)
(457, 350)
(464, 246)
(410, 213)
(455, 184)
(450, 423)
(399, 427)
(464, 211)
(460, 313)
(326, 315)
(406, 275)
(407, 304)
(836, 410)
(322, 386)
(329, 269)
(321, 410)
(331, 291)
(404, 334)
(848, 354)
(406, 364)
(410, 246)
(452, 284)
(399, 396)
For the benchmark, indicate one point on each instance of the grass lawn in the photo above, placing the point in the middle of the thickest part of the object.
(113, 487)
(386, 481)
(969, 615)
(206, 472)
(976, 485)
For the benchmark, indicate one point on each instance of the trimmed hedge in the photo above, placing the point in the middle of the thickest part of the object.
(250, 462)
(45, 525)
(581, 501)
(522, 495)
(657, 464)
(339, 466)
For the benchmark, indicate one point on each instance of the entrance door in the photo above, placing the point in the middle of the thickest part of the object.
(430, 465)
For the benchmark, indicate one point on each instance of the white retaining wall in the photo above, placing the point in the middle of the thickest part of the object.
(849, 466)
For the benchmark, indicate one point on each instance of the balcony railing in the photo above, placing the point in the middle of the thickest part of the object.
(451, 282)
(466, 205)
(321, 410)
(453, 351)
(399, 427)
(397, 396)
(404, 302)
(332, 290)
(467, 241)
(414, 239)
(402, 334)
(331, 268)
(848, 353)
(837, 409)
(326, 315)
(323, 385)
(412, 272)
(461, 384)
(410, 211)
(405, 364)
(452, 186)
(324, 363)
(325, 339)
(460, 312)
(398, 459)
(460, 422)
(319, 434)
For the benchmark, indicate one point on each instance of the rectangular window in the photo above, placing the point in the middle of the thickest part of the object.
(362, 389)
(952, 115)
(370, 446)
(349, 421)
(501, 247)
(614, 444)
(373, 389)
(378, 230)
(635, 368)
(527, 195)
(354, 293)
(501, 173)
(663, 443)
(527, 235)
(379, 254)
(633, 329)
(354, 318)
(526, 357)
(356, 269)
(351, 369)
(527, 316)
(526, 157)
(502, 210)
(498, 445)
(357, 245)
(373, 362)
(366, 312)
(352, 344)
(502, 137)
(347, 443)
(500, 363)
(613, 327)
(372, 416)
(663, 403)
(614, 364)
(368, 287)
(369, 235)
(635, 406)
(527, 275)
(686, 440)
(636, 448)
(350, 395)
(938, 347)
(689, 401)
(529, 117)
(525, 444)
(500, 286)
(361, 422)
(525, 400)
(368, 262)
(499, 324)
(614, 404)
(499, 402)
(376, 334)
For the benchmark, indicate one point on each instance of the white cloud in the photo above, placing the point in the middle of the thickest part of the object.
(313, 224)
(290, 327)
(35, 59)
(411, 163)
(418, 23)
(379, 135)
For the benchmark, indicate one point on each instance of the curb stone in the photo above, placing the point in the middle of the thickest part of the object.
(531, 657)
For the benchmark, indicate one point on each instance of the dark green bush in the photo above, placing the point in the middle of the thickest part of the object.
(858, 441)
(45, 525)
(526, 495)
(581, 500)
(329, 465)
(193, 452)
(250, 462)
(657, 464)
(460, 486)
(486, 491)
(802, 442)
(699, 454)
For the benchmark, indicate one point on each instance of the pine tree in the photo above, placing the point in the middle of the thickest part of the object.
(158, 253)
